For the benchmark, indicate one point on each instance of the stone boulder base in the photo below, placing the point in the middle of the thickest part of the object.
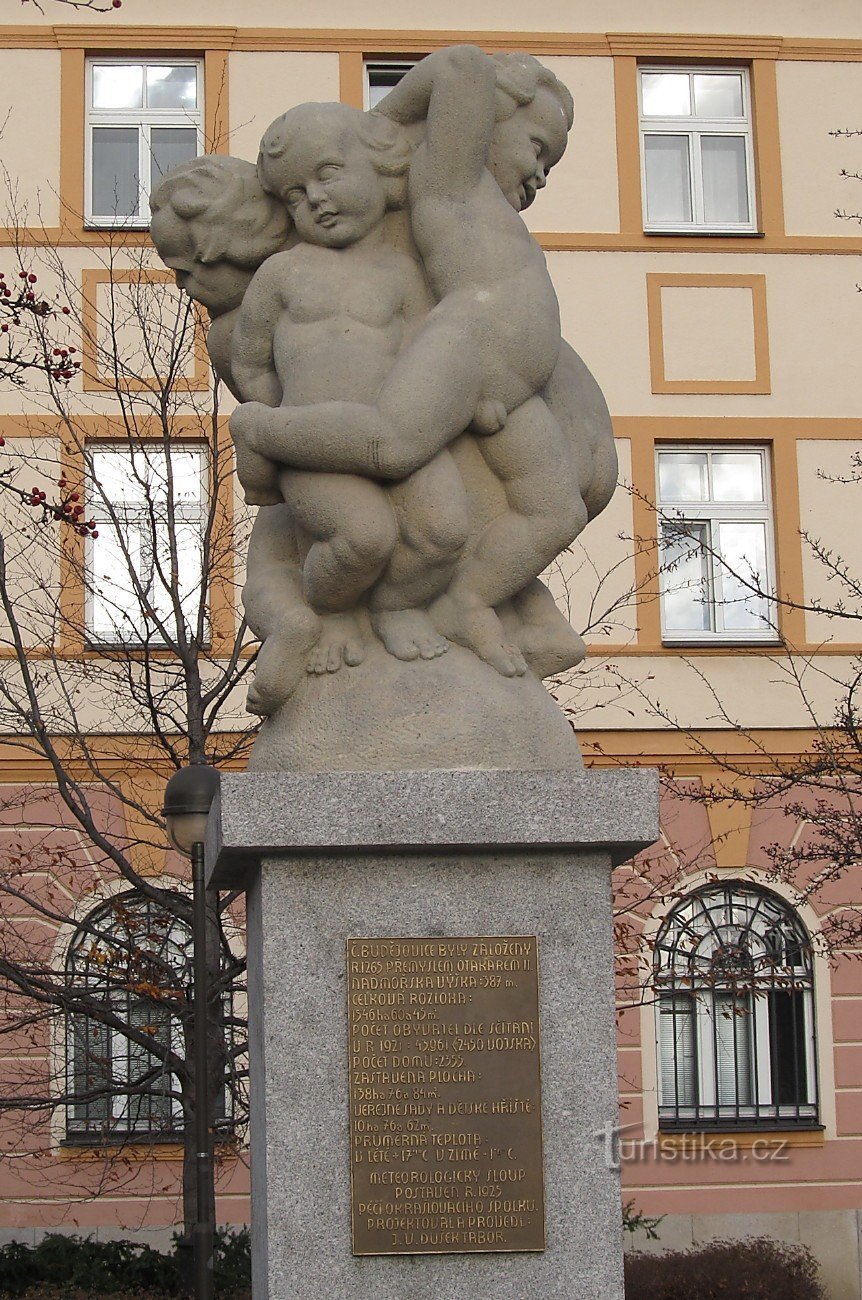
(387, 715)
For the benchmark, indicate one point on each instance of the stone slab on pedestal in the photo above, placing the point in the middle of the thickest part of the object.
(335, 877)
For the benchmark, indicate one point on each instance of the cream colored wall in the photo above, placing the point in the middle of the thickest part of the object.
(593, 581)
(715, 692)
(31, 546)
(829, 512)
(30, 136)
(814, 99)
(793, 17)
(708, 333)
(264, 85)
(582, 193)
(813, 322)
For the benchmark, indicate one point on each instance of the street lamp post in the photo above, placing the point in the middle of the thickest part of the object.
(188, 797)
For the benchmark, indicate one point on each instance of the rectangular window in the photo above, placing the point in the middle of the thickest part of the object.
(381, 75)
(697, 164)
(137, 499)
(143, 118)
(716, 544)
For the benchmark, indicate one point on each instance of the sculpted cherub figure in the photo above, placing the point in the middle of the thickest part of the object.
(213, 225)
(323, 322)
(485, 353)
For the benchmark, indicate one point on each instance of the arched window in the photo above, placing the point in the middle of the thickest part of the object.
(133, 960)
(736, 1042)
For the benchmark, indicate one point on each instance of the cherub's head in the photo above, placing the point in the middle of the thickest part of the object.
(535, 112)
(213, 225)
(337, 170)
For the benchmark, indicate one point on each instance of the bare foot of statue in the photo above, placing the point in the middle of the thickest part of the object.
(479, 629)
(281, 665)
(408, 634)
(340, 642)
(257, 474)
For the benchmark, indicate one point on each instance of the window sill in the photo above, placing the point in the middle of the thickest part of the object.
(705, 234)
(121, 227)
(136, 1146)
(721, 643)
(805, 1134)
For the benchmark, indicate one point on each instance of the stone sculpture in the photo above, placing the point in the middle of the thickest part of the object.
(419, 439)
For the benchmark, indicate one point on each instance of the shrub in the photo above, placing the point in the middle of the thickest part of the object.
(78, 1266)
(755, 1268)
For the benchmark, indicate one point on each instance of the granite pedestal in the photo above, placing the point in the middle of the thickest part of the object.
(434, 854)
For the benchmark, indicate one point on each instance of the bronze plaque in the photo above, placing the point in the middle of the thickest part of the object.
(445, 1095)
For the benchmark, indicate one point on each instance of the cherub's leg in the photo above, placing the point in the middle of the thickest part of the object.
(428, 398)
(352, 527)
(431, 512)
(276, 611)
(532, 461)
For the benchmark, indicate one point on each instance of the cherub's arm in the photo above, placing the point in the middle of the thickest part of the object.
(252, 364)
(454, 90)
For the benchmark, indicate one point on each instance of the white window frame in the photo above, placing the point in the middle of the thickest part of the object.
(695, 128)
(371, 65)
(142, 118)
(709, 513)
(97, 509)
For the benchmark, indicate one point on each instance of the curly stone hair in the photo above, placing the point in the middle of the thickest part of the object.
(390, 151)
(233, 219)
(519, 77)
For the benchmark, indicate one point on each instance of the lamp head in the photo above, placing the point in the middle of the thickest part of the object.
(188, 798)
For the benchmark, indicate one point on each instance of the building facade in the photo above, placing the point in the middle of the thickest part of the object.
(706, 280)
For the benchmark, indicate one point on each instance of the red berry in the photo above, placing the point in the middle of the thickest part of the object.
(2, 442)
(22, 275)
(61, 482)
(82, 532)
(67, 311)
(74, 496)
(95, 534)
(4, 329)
(116, 3)
(56, 352)
(32, 279)
(72, 351)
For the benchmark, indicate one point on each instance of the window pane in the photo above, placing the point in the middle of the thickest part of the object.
(189, 574)
(717, 94)
(381, 79)
(115, 482)
(682, 476)
(737, 476)
(118, 85)
(171, 87)
(668, 187)
(742, 548)
(733, 1063)
(787, 1036)
(666, 94)
(116, 612)
(90, 1070)
(725, 186)
(116, 184)
(685, 578)
(676, 1050)
(170, 146)
(124, 478)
